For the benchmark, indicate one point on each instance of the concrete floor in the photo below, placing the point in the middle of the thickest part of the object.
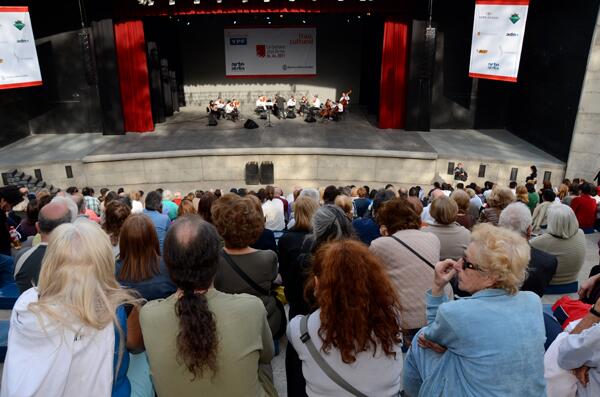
(188, 130)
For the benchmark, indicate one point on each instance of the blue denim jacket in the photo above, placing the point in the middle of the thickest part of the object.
(495, 346)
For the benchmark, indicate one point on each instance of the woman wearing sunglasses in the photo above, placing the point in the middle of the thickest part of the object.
(490, 344)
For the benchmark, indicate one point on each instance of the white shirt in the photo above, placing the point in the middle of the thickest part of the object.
(340, 107)
(136, 207)
(220, 105)
(317, 103)
(274, 217)
(229, 108)
(54, 361)
(346, 97)
(374, 376)
(291, 103)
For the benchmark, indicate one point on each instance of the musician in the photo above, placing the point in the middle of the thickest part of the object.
(345, 99)
(303, 105)
(220, 107)
(316, 102)
(279, 108)
(231, 111)
(261, 103)
(291, 103)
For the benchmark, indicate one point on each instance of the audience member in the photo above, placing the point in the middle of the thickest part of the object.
(140, 266)
(453, 237)
(169, 208)
(542, 265)
(475, 203)
(27, 268)
(154, 211)
(565, 240)
(463, 217)
(499, 198)
(585, 207)
(266, 240)
(91, 202)
(136, 204)
(573, 192)
(66, 332)
(115, 215)
(186, 207)
(329, 194)
(425, 216)
(491, 344)
(9, 197)
(328, 224)
(407, 255)
(366, 227)
(361, 203)
(366, 354)
(27, 226)
(563, 191)
(205, 204)
(240, 224)
(532, 197)
(273, 211)
(540, 213)
(82, 210)
(345, 203)
(201, 341)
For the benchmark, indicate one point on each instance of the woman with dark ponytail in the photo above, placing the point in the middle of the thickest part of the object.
(200, 341)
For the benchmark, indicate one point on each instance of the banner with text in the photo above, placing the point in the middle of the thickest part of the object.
(270, 52)
(498, 31)
(19, 65)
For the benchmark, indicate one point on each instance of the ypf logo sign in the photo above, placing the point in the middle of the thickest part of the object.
(19, 24)
(514, 18)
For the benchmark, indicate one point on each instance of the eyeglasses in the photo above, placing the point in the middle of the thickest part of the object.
(468, 265)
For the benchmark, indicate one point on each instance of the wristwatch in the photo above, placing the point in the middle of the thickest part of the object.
(594, 311)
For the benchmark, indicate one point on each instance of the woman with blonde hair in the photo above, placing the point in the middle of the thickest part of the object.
(186, 208)
(491, 344)
(522, 194)
(62, 337)
(136, 204)
(345, 203)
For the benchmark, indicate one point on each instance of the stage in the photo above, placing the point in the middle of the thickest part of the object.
(184, 153)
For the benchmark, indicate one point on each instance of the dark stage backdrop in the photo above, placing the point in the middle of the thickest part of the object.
(339, 59)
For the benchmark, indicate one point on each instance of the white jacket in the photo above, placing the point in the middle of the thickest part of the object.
(54, 361)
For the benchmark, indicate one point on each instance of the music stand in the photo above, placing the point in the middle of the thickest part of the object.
(269, 118)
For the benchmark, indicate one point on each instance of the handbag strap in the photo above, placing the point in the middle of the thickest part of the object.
(414, 252)
(325, 367)
(243, 275)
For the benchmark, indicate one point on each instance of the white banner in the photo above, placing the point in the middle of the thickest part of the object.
(498, 31)
(266, 52)
(19, 65)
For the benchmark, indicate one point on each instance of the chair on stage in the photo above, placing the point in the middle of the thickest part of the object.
(290, 112)
(261, 113)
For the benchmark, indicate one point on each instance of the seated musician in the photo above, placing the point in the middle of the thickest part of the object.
(327, 111)
(291, 103)
(231, 111)
(261, 104)
(303, 105)
(220, 107)
(316, 102)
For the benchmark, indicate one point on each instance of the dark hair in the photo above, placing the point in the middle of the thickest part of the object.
(233, 190)
(110, 196)
(242, 192)
(72, 189)
(33, 210)
(120, 190)
(186, 208)
(87, 191)
(329, 194)
(11, 194)
(372, 194)
(512, 184)
(530, 187)
(381, 197)
(548, 195)
(533, 171)
(437, 185)
(587, 188)
(238, 220)
(139, 249)
(389, 185)
(398, 214)
(414, 191)
(218, 193)
(115, 215)
(205, 206)
(153, 201)
(103, 191)
(269, 193)
(191, 252)
(461, 185)
(367, 188)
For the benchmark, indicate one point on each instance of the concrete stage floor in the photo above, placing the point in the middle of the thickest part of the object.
(187, 134)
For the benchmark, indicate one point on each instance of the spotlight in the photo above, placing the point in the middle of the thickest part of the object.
(268, 17)
(267, 1)
(219, 1)
(235, 22)
(303, 21)
(150, 2)
(196, 1)
(244, 1)
(171, 2)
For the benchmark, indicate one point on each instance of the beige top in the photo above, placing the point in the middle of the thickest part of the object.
(570, 254)
(410, 275)
(454, 240)
(244, 342)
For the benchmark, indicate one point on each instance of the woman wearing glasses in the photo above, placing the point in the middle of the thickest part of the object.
(490, 344)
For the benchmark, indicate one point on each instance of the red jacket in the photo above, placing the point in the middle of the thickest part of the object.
(585, 210)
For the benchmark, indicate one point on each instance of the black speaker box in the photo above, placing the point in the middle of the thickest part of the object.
(212, 120)
(252, 173)
(250, 124)
(266, 173)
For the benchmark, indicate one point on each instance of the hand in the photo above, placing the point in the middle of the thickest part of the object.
(582, 375)
(427, 344)
(587, 286)
(443, 273)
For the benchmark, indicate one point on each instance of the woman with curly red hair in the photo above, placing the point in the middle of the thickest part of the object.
(356, 328)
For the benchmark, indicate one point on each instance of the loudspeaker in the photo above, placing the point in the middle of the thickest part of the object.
(212, 121)
(250, 124)
(513, 174)
(547, 176)
(451, 168)
(481, 173)
(69, 171)
(252, 173)
(266, 173)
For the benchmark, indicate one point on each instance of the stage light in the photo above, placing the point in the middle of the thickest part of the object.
(303, 21)
(268, 17)
(244, 1)
(219, 1)
(267, 1)
(171, 2)
(235, 22)
(150, 2)
(196, 1)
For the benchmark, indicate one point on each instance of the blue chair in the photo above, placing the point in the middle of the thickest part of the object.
(9, 294)
(4, 326)
(562, 289)
(588, 230)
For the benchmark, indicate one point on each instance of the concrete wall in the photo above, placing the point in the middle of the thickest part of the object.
(188, 173)
(203, 64)
(584, 156)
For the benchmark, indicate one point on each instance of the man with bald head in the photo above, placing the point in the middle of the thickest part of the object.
(28, 267)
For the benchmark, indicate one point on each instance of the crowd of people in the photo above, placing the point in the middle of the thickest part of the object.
(379, 292)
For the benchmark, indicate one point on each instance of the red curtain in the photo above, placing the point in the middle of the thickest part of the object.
(394, 61)
(133, 76)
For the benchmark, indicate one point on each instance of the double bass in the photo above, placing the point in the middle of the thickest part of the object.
(327, 110)
(344, 101)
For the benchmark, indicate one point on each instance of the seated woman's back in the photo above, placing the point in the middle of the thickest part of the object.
(201, 341)
(356, 329)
